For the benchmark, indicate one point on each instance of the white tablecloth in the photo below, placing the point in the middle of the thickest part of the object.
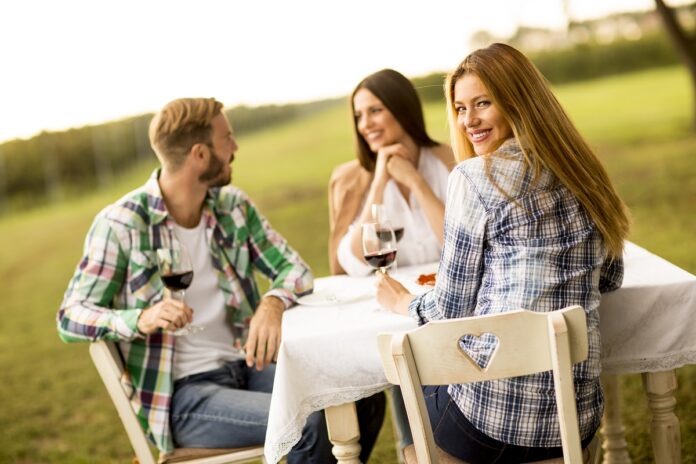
(649, 324)
(329, 353)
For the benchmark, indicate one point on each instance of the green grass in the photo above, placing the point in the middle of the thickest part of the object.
(626, 109)
(53, 407)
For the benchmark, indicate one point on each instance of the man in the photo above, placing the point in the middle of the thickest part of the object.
(199, 389)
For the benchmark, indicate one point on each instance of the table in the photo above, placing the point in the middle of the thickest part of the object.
(648, 326)
(329, 357)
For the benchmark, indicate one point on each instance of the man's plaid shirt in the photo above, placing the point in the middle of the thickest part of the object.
(539, 251)
(118, 277)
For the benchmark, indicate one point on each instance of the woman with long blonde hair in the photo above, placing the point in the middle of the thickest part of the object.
(532, 221)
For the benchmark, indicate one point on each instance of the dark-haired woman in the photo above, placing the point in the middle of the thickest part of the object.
(399, 166)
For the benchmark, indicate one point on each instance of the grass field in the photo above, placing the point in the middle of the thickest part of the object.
(53, 407)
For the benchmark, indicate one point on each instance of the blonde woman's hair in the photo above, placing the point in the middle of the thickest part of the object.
(547, 137)
(180, 125)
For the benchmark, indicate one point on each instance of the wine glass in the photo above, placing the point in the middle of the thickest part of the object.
(379, 215)
(379, 245)
(176, 272)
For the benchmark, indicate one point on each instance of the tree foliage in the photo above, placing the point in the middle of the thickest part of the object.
(52, 165)
(684, 42)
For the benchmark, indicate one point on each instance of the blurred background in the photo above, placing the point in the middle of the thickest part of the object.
(81, 80)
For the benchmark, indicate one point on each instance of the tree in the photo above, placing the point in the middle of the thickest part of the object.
(683, 41)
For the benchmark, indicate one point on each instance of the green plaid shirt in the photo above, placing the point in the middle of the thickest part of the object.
(118, 277)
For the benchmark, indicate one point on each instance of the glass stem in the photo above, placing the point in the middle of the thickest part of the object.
(177, 295)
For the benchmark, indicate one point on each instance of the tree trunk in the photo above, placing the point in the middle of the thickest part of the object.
(3, 184)
(101, 149)
(686, 45)
(142, 141)
(50, 167)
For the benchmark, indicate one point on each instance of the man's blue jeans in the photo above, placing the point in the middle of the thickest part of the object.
(228, 408)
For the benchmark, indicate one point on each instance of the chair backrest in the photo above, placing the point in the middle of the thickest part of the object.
(527, 342)
(107, 359)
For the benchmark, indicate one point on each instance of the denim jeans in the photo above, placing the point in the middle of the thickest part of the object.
(398, 409)
(228, 408)
(456, 435)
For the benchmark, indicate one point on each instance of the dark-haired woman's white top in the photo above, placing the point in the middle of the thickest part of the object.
(419, 244)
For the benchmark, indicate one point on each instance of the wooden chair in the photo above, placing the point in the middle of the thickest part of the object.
(107, 359)
(528, 342)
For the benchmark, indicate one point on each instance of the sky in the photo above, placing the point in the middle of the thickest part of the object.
(70, 63)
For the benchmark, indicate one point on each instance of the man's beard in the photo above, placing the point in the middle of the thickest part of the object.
(214, 173)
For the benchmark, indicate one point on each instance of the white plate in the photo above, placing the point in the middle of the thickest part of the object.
(331, 298)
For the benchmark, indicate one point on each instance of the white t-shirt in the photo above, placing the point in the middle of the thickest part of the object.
(419, 244)
(210, 348)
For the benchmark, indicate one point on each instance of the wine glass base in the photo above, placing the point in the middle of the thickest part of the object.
(187, 330)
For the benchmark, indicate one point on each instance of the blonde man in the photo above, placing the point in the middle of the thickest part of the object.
(200, 389)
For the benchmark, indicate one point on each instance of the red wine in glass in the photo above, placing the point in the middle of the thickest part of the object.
(379, 215)
(379, 245)
(177, 281)
(381, 259)
(398, 233)
(384, 233)
(176, 273)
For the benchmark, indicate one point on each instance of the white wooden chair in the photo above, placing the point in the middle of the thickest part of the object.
(528, 342)
(107, 359)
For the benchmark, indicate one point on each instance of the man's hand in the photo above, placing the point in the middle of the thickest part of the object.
(264, 333)
(168, 314)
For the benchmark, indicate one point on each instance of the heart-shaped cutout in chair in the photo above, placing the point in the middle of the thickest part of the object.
(479, 349)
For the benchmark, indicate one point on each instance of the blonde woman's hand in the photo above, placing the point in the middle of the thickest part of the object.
(392, 295)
